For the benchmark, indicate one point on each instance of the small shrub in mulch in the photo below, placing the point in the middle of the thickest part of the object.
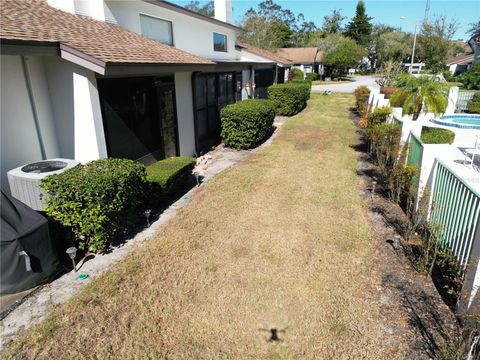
(431, 135)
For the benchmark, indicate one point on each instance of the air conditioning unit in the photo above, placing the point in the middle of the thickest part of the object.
(25, 180)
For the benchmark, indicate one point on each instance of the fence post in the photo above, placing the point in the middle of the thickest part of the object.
(469, 300)
(452, 100)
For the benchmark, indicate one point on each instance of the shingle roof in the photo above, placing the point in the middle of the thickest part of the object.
(461, 60)
(299, 55)
(35, 20)
(264, 53)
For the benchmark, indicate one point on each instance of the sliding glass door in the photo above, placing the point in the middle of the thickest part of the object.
(212, 91)
(139, 118)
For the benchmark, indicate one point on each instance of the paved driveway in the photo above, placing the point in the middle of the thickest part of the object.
(347, 87)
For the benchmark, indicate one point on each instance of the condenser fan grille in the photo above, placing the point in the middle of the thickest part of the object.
(44, 166)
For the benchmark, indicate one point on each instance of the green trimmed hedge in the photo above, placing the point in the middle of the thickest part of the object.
(297, 74)
(312, 76)
(431, 135)
(291, 98)
(246, 124)
(168, 176)
(96, 200)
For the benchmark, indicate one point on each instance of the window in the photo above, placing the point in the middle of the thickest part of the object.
(156, 29)
(219, 42)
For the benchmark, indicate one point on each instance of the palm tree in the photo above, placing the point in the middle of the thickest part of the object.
(417, 93)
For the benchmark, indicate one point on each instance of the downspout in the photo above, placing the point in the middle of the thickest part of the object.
(252, 79)
(28, 83)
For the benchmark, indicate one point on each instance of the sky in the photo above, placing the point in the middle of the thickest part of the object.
(401, 14)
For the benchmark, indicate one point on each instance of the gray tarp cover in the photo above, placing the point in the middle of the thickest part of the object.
(27, 256)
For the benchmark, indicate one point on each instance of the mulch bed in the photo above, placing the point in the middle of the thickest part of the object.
(419, 321)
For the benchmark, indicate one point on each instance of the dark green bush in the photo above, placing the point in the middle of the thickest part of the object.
(168, 176)
(289, 99)
(473, 106)
(96, 200)
(297, 74)
(246, 124)
(362, 93)
(431, 135)
(471, 79)
(312, 76)
(378, 116)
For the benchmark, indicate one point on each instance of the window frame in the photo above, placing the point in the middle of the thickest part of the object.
(226, 42)
(161, 19)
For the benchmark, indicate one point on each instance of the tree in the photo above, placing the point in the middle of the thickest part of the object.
(421, 92)
(332, 24)
(207, 9)
(393, 46)
(360, 28)
(271, 27)
(434, 42)
(346, 53)
(474, 30)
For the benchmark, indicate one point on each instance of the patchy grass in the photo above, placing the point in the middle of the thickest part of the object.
(277, 242)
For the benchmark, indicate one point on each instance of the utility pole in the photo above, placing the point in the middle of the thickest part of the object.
(414, 44)
(427, 10)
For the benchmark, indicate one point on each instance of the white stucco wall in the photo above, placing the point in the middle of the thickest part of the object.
(190, 34)
(185, 117)
(76, 110)
(20, 140)
(67, 105)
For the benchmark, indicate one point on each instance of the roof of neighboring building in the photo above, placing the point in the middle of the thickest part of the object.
(183, 10)
(36, 21)
(263, 53)
(306, 55)
(464, 59)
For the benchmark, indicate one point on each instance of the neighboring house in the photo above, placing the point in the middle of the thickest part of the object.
(89, 87)
(306, 59)
(459, 64)
(263, 78)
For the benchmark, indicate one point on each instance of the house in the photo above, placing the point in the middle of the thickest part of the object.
(459, 64)
(306, 59)
(143, 80)
(263, 78)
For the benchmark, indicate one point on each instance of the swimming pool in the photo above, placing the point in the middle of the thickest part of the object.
(461, 121)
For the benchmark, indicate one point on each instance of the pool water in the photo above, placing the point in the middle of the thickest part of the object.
(462, 121)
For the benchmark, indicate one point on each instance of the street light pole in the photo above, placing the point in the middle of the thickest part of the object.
(414, 45)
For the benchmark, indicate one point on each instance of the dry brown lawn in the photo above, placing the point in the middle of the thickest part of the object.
(278, 242)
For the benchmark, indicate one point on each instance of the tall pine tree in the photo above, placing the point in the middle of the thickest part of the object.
(360, 28)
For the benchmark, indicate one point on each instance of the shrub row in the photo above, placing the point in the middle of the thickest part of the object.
(167, 176)
(431, 135)
(95, 200)
(378, 116)
(246, 124)
(362, 94)
(290, 99)
(98, 200)
(312, 76)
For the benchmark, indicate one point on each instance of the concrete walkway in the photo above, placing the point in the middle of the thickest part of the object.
(348, 87)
